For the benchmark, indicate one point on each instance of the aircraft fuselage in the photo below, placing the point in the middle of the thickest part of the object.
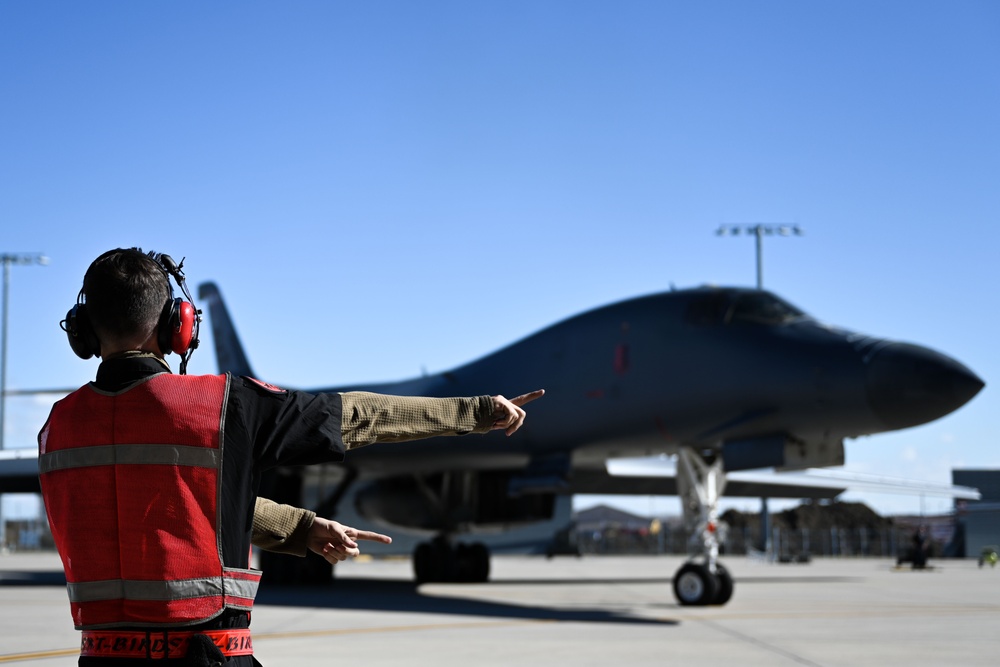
(696, 367)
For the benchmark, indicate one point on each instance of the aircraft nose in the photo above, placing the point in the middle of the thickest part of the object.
(909, 385)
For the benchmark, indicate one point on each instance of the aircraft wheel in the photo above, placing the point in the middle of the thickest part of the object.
(694, 585)
(479, 555)
(472, 563)
(422, 563)
(463, 563)
(430, 562)
(725, 588)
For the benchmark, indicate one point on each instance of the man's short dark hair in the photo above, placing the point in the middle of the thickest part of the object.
(125, 291)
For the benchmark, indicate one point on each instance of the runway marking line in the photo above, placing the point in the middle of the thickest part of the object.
(59, 653)
(39, 655)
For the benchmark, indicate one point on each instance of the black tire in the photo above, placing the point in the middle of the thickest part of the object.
(480, 556)
(725, 581)
(694, 585)
(427, 563)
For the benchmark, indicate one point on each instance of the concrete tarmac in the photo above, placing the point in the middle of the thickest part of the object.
(595, 610)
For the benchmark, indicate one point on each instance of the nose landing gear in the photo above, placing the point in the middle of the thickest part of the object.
(702, 580)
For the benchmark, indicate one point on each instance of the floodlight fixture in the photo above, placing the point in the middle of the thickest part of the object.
(7, 259)
(758, 230)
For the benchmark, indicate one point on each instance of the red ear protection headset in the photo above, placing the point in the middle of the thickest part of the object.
(176, 332)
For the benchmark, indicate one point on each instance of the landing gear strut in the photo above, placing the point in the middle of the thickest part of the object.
(702, 580)
(440, 561)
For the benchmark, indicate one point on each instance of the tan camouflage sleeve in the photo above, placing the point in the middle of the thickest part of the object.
(369, 418)
(283, 529)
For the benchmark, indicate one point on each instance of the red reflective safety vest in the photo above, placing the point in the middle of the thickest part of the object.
(131, 484)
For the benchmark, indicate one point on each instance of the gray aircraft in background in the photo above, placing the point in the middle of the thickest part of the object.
(725, 379)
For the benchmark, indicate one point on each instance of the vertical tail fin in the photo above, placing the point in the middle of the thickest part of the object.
(228, 349)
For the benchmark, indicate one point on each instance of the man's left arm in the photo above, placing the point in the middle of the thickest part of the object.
(292, 530)
(279, 528)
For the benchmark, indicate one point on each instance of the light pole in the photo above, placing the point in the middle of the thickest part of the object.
(759, 230)
(7, 259)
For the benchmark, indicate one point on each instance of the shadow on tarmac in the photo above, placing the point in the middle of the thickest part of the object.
(400, 596)
(406, 596)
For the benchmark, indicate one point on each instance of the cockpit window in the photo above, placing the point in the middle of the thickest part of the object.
(763, 308)
(707, 310)
(722, 308)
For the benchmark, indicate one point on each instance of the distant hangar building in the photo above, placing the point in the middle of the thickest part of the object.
(979, 518)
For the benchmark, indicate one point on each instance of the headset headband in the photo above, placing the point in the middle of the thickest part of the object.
(177, 329)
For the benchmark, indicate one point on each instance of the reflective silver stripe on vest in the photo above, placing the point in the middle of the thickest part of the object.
(105, 455)
(129, 589)
(242, 588)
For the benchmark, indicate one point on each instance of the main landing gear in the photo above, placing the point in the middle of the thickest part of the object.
(441, 561)
(702, 580)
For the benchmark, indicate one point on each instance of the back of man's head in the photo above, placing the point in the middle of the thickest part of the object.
(126, 291)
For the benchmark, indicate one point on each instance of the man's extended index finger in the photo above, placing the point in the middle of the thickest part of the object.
(374, 537)
(527, 398)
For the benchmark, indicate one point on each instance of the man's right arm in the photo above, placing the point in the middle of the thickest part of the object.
(369, 418)
(300, 428)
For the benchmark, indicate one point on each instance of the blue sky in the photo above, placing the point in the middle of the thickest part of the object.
(390, 187)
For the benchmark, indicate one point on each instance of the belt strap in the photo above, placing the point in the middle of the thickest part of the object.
(157, 644)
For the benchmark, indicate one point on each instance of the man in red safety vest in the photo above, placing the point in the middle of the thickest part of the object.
(150, 478)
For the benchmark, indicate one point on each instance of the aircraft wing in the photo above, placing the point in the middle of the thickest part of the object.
(660, 472)
(19, 470)
(602, 482)
(642, 477)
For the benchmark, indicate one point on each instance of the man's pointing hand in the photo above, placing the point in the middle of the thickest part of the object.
(507, 412)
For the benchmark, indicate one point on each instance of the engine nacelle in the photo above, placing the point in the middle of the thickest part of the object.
(781, 452)
(452, 502)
